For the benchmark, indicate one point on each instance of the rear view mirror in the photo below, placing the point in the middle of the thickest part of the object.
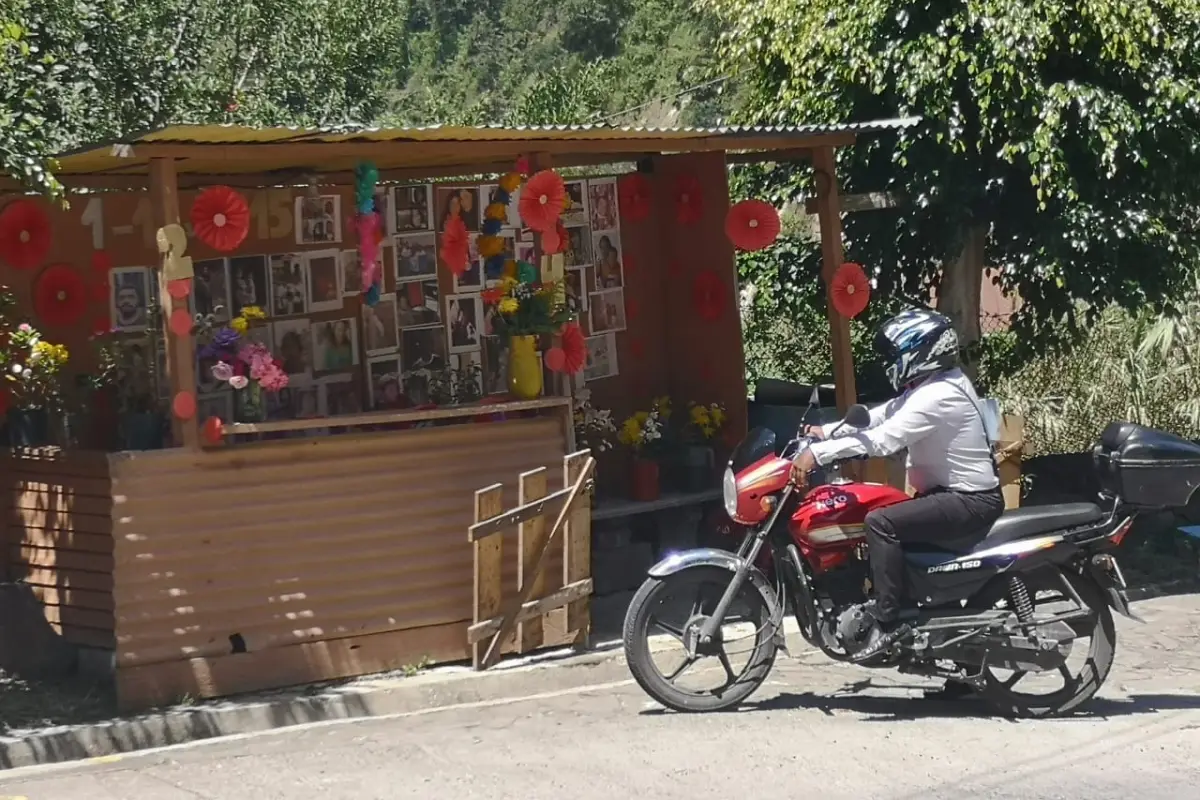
(857, 416)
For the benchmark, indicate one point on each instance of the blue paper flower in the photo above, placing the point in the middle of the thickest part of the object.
(491, 227)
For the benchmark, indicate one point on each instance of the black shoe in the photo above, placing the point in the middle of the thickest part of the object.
(951, 691)
(881, 639)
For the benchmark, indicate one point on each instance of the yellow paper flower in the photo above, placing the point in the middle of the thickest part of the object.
(508, 305)
(490, 246)
(496, 211)
(510, 270)
(239, 324)
(663, 404)
(631, 432)
(510, 182)
(53, 354)
(718, 415)
(252, 313)
(700, 416)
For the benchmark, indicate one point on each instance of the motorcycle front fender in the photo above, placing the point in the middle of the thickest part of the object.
(722, 559)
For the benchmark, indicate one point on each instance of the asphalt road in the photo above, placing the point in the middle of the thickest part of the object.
(817, 729)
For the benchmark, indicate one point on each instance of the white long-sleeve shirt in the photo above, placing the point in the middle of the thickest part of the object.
(938, 424)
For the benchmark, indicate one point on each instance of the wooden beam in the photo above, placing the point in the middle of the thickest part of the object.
(775, 156)
(571, 593)
(851, 203)
(181, 350)
(832, 255)
(531, 535)
(522, 513)
(489, 567)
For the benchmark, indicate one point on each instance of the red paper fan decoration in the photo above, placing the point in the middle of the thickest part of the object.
(184, 405)
(689, 201)
(211, 431)
(574, 347)
(542, 200)
(456, 254)
(221, 218)
(180, 288)
(752, 225)
(24, 234)
(60, 296)
(709, 295)
(555, 359)
(552, 242)
(633, 192)
(850, 290)
(102, 262)
(180, 322)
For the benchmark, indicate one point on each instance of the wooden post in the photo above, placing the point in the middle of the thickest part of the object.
(489, 565)
(829, 214)
(577, 549)
(531, 536)
(181, 350)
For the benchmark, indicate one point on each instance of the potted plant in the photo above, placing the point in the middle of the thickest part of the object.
(643, 432)
(525, 309)
(32, 370)
(697, 457)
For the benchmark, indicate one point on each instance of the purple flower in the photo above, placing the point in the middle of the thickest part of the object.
(225, 338)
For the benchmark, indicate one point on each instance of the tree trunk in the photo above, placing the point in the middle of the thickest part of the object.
(959, 290)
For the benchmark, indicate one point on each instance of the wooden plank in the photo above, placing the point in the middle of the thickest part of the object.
(51, 501)
(70, 485)
(489, 563)
(534, 608)
(60, 559)
(85, 542)
(513, 606)
(531, 536)
(832, 257)
(76, 598)
(79, 617)
(85, 637)
(577, 550)
(521, 513)
(56, 523)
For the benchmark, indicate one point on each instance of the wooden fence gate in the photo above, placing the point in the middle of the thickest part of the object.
(496, 616)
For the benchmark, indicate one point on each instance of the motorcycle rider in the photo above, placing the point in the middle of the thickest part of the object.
(938, 420)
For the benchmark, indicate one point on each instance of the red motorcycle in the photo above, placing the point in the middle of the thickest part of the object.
(1010, 611)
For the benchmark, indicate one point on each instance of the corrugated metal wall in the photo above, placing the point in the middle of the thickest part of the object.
(57, 537)
(280, 543)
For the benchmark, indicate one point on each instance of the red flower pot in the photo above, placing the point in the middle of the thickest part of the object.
(644, 480)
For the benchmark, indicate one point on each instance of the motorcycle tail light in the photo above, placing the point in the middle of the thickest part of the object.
(1119, 533)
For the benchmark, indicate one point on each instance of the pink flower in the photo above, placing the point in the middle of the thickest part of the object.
(252, 350)
(222, 371)
(259, 366)
(24, 327)
(274, 379)
(239, 381)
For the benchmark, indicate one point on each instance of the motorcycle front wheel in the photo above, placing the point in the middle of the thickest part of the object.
(666, 614)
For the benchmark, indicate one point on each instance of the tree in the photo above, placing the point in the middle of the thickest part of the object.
(1059, 144)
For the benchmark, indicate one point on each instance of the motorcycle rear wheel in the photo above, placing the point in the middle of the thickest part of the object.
(640, 620)
(1077, 689)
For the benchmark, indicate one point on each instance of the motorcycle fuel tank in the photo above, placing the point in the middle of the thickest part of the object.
(832, 515)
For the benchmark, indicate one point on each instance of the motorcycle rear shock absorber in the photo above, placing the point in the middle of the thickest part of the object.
(1019, 599)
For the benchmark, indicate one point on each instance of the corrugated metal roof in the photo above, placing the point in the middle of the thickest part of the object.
(241, 150)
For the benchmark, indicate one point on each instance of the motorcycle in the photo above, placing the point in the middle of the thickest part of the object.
(976, 613)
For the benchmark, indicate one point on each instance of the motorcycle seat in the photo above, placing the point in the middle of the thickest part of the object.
(1025, 523)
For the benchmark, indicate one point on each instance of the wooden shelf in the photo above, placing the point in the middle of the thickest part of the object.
(394, 417)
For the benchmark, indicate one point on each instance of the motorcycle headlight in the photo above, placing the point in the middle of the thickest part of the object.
(729, 492)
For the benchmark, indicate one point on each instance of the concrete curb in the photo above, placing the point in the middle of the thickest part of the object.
(375, 697)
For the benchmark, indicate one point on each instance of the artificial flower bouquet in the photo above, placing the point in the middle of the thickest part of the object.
(32, 367)
(247, 366)
(526, 305)
(704, 422)
(645, 432)
(594, 428)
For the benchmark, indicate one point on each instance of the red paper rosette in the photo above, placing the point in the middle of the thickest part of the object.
(211, 431)
(456, 249)
(221, 218)
(60, 296)
(709, 295)
(180, 288)
(184, 405)
(542, 200)
(850, 290)
(24, 234)
(752, 225)
(552, 242)
(180, 322)
(689, 201)
(633, 192)
(555, 359)
(574, 347)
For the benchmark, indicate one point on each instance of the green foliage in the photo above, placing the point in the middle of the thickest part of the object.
(1067, 130)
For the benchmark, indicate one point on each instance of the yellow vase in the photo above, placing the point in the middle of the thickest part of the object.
(524, 371)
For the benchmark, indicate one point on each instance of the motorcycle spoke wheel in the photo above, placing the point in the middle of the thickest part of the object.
(678, 671)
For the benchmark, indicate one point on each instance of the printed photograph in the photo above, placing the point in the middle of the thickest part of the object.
(602, 203)
(576, 293)
(135, 383)
(455, 201)
(383, 207)
(379, 326)
(289, 290)
(607, 311)
(416, 257)
(606, 255)
(414, 208)
(469, 367)
(293, 346)
(319, 219)
(601, 357)
(335, 344)
(217, 404)
(576, 213)
(306, 401)
(324, 293)
(248, 282)
(526, 252)
(578, 252)
(383, 382)
(210, 289)
(351, 273)
(472, 279)
(495, 366)
(423, 348)
(130, 296)
(418, 303)
(339, 395)
(490, 315)
(464, 316)
(280, 405)
(488, 193)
